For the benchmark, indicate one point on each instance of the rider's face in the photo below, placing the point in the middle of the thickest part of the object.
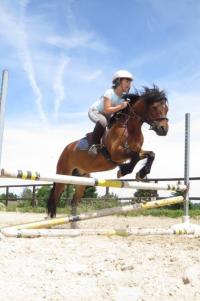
(125, 84)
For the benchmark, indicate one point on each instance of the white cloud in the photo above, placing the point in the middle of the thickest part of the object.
(26, 33)
(27, 63)
(13, 29)
(58, 86)
(93, 75)
(79, 39)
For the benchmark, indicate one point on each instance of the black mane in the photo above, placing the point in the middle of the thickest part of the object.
(153, 94)
(149, 95)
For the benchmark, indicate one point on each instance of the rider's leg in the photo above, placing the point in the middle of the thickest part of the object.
(96, 138)
(101, 123)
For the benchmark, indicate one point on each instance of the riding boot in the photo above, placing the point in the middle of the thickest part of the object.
(96, 139)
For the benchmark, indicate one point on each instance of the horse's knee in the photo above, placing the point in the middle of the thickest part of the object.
(151, 155)
(125, 169)
(145, 170)
(150, 159)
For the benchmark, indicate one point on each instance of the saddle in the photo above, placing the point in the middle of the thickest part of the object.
(85, 143)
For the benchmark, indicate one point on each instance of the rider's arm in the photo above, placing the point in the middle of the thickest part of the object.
(108, 109)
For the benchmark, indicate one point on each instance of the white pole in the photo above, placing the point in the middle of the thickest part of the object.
(2, 107)
(65, 179)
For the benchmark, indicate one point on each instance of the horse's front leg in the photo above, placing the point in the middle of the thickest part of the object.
(145, 170)
(127, 168)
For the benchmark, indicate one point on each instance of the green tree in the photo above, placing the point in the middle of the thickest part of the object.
(90, 192)
(145, 194)
(11, 196)
(42, 195)
(26, 194)
(66, 196)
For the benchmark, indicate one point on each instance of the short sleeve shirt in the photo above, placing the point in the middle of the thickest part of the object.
(110, 94)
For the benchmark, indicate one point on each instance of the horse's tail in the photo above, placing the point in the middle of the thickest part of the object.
(51, 204)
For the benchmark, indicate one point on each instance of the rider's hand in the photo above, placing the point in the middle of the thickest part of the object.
(124, 104)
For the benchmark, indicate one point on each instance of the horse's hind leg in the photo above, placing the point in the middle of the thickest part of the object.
(54, 197)
(145, 170)
(79, 192)
(63, 168)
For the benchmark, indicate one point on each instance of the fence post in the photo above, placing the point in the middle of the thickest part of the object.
(107, 192)
(7, 194)
(33, 197)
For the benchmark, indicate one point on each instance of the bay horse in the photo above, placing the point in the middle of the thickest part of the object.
(123, 141)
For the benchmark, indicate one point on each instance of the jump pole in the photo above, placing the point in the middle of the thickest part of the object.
(35, 233)
(56, 178)
(95, 214)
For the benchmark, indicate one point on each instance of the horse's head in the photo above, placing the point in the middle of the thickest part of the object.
(152, 106)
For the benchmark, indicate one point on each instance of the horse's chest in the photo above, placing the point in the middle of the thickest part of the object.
(133, 145)
(134, 142)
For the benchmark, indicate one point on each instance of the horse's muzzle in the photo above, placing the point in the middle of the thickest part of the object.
(161, 129)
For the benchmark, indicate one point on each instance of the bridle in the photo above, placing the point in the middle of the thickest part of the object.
(132, 114)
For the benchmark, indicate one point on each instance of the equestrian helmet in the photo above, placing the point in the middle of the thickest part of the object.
(122, 74)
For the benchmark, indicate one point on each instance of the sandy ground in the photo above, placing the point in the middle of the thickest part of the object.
(88, 268)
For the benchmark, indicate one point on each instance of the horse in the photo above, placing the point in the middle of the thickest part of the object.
(122, 141)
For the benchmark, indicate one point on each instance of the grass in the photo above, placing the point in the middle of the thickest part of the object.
(96, 205)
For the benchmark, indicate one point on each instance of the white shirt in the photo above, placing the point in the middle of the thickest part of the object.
(110, 94)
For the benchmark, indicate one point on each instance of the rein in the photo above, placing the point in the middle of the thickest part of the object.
(133, 114)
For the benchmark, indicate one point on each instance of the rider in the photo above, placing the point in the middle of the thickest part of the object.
(110, 103)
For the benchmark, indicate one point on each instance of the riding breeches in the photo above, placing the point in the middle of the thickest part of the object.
(96, 116)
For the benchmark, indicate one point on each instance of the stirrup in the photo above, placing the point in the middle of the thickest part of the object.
(93, 150)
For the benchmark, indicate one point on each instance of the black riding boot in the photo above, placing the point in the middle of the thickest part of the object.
(96, 139)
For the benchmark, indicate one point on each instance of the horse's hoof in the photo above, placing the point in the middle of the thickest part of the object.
(119, 175)
(137, 177)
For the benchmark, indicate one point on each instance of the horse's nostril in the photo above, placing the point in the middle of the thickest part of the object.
(164, 130)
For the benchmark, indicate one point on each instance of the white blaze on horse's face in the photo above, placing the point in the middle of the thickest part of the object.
(158, 117)
(125, 84)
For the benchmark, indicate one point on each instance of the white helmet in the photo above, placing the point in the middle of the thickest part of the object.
(122, 74)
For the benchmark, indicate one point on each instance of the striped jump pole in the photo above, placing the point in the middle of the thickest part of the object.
(100, 213)
(35, 233)
(65, 179)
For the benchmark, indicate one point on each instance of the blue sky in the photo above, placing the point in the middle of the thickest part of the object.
(61, 56)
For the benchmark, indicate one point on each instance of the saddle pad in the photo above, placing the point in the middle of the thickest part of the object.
(83, 144)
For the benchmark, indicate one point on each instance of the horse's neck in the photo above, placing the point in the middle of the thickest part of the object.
(132, 123)
(126, 125)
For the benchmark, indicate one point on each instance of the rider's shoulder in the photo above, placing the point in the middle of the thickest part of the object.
(109, 93)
